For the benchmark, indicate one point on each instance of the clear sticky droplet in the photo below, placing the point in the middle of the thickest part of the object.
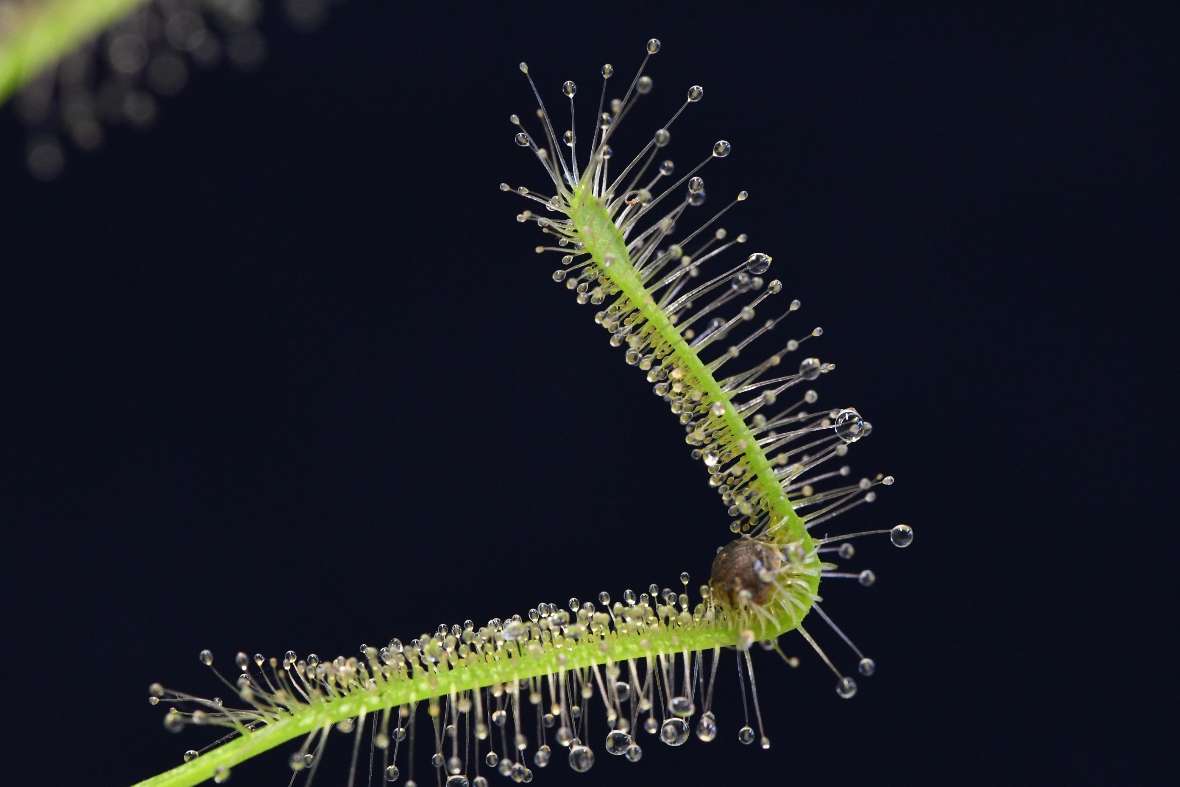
(581, 758)
(849, 425)
(706, 728)
(809, 368)
(674, 732)
(617, 742)
(758, 263)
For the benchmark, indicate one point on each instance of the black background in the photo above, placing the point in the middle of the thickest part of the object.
(285, 372)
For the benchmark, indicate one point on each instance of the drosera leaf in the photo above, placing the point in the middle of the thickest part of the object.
(501, 694)
(39, 34)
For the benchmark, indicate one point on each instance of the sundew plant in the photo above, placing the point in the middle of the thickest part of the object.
(713, 334)
(567, 681)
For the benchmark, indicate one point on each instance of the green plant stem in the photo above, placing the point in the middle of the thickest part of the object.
(48, 32)
(602, 239)
(390, 694)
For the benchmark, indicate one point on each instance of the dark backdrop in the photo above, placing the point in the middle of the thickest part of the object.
(285, 372)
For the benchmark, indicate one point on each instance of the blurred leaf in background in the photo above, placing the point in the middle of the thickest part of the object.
(77, 68)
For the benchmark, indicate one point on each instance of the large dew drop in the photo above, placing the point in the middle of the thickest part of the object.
(674, 732)
(758, 263)
(581, 758)
(849, 425)
(706, 727)
(617, 742)
(681, 706)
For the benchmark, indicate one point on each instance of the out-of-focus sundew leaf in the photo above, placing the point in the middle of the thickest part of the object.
(37, 33)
